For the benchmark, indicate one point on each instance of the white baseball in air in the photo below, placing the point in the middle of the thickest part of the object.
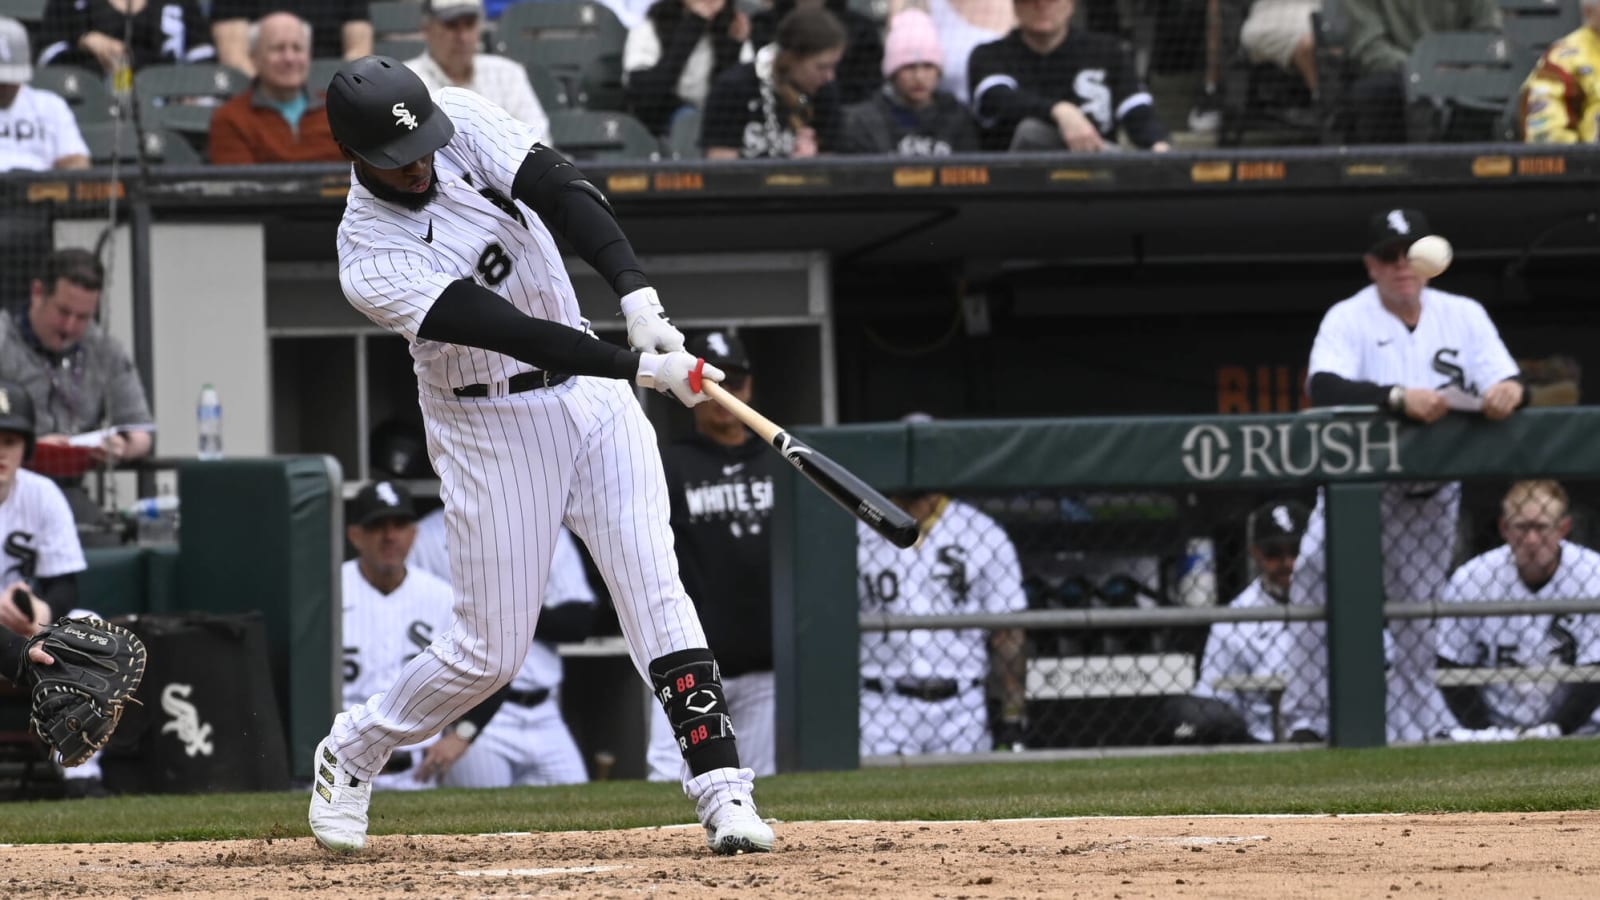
(1430, 256)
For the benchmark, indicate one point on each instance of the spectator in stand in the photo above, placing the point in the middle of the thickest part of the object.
(275, 119)
(1279, 32)
(859, 75)
(339, 28)
(784, 104)
(910, 116)
(962, 26)
(89, 33)
(37, 128)
(1046, 86)
(671, 58)
(1561, 98)
(454, 32)
(1380, 36)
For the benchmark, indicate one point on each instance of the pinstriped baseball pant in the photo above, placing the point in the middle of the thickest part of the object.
(512, 469)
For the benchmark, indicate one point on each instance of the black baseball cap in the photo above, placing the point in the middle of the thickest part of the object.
(1395, 228)
(381, 111)
(382, 500)
(1278, 524)
(722, 349)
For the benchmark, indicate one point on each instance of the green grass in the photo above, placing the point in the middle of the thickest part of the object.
(1513, 777)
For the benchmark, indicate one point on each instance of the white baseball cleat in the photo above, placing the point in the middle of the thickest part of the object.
(735, 827)
(339, 803)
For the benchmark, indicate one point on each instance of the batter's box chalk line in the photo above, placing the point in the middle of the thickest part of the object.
(535, 873)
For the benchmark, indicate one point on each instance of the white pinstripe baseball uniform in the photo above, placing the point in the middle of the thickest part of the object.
(513, 465)
(963, 563)
(38, 537)
(1455, 345)
(1251, 648)
(383, 632)
(522, 744)
(1516, 641)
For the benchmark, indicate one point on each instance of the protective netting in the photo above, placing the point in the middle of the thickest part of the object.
(1195, 618)
(780, 78)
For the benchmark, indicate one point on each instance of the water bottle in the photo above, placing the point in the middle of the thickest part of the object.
(1197, 578)
(155, 519)
(209, 422)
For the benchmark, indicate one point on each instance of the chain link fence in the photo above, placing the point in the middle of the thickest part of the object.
(1145, 619)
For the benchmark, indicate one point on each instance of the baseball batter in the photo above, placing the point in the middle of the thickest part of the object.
(447, 240)
(1417, 352)
(923, 691)
(527, 742)
(1535, 563)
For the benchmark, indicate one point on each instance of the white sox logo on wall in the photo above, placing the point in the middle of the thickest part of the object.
(792, 449)
(1291, 450)
(403, 116)
(192, 733)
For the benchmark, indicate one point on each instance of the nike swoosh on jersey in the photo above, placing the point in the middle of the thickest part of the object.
(428, 238)
(729, 470)
(1384, 342)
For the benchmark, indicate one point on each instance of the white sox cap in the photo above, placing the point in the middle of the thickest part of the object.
(14, 65)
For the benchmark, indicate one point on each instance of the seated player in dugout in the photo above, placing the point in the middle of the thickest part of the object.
(1217, 713)
(927, 691)
(1536, 563)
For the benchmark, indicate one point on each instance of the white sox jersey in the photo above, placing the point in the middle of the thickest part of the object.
(1251, 648)
(394, 263)
(382, 632)
(1453, 345)
(39, 534)
(963, 563)
(1519, 641)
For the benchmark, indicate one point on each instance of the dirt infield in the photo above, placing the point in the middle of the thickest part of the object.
(1510, 855)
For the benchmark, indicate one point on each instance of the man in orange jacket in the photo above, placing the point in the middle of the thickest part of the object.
(277, 119)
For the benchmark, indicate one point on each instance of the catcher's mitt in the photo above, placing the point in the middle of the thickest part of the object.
(78, 699)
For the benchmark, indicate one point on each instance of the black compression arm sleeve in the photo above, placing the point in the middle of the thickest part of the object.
(61, 592)
(1328, 389)
(475, 316)
(481, 714)
(575, 209)
(565, 622)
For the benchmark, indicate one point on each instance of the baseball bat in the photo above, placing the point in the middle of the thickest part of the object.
(856, 496)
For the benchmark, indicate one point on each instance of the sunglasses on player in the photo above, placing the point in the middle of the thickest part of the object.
(1390, 253)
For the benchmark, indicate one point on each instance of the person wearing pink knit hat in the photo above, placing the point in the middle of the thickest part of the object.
(910, 116)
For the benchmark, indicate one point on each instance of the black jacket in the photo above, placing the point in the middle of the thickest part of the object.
(882, 125)
(861, 69)
(652, 93)
(721, 500)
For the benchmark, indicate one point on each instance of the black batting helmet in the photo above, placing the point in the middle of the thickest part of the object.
(381, 112)
(16, 414)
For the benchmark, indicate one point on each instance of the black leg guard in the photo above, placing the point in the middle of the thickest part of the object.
(689, 686)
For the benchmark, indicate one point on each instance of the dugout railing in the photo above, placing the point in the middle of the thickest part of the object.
(1351, 454)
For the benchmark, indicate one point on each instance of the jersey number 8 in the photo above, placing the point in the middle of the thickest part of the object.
(494, 264)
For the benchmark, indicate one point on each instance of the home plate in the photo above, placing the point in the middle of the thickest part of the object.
(533, 873)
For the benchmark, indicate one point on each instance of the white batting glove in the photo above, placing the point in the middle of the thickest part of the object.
(648, 328)
(678, 373)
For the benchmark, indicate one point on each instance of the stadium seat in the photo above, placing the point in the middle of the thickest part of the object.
(1255, 95)
(683, 139)
(580, 43)
(28, 12)
(399, 48)
(114, 140)
(1457, 85)
(322, 71)
(84, 91)
(396, 19)
(1531, 26)
(169, 82)
(594, 135)
(552, 94)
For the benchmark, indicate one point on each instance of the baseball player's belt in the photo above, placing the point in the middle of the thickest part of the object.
(528, 698)
(516, 384)
(929, 689)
